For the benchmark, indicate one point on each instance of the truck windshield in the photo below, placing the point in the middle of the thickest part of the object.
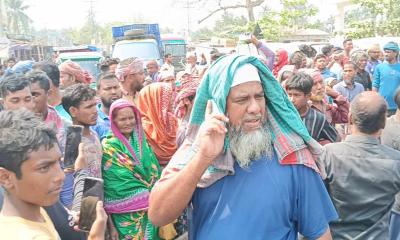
(90, 65)
(176, 49)
(143, 50)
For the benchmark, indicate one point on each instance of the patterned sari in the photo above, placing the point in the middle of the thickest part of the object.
(129, 173)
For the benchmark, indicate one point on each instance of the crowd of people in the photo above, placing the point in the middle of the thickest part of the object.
(276, 146)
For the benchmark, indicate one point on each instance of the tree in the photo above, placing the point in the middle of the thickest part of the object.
(374, 18)
(202, 33)
(223, 6)
(294, 15)
(3, 17)
(228, 26)
(18, 20)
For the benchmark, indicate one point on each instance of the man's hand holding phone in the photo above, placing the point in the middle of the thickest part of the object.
(97, 232)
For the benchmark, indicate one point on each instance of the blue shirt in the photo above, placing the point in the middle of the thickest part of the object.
(371, 65)
(326, 73)
(349, 93)
(266, 201)
(103, 123)
(387, 80)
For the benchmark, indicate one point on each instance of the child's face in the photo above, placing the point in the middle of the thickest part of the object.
(298, 98)
(41, 178)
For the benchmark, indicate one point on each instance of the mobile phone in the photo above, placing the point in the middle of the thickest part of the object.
(93, 191)
(73, 139)
(215, 108)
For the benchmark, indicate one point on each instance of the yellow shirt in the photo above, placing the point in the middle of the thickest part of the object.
(17, 228)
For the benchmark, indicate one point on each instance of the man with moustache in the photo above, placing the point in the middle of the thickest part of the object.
(108, 90)
(387, 76)
(246, 167)
(326, 100)
(130, 74)
(349, 88)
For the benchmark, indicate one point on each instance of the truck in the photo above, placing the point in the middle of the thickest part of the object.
(138, 40)
(176, 46)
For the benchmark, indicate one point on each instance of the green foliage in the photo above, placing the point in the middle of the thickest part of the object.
(201, 34)
(228, 26)
(294, 15)
(18, 21)
(374, 18)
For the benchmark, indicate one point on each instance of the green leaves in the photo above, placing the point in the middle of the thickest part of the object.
(374, 18)
(295, 14)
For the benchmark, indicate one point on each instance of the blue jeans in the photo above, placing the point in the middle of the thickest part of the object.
(394, 226)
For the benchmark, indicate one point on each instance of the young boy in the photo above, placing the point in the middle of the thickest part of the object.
(30, 174)
(298, 88)
(31, 178)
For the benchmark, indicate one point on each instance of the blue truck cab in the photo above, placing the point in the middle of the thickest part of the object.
(138, 40)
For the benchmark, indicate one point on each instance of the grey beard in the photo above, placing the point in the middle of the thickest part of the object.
(247, 147)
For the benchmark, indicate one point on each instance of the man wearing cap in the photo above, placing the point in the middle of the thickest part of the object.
(387, 76)
(130, 74)
(246, 167)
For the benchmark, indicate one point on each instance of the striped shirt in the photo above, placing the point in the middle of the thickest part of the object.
(318, 126)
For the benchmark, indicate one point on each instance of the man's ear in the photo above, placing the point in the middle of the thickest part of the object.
(7, 178)
(73, 111)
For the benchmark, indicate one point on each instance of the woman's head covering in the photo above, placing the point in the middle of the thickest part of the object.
(75, 70)
(120, 104)
(282, 61)
(155, 103)
(188, 88)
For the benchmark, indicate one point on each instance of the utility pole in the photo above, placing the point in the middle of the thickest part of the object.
(91, 21)
(188, 7)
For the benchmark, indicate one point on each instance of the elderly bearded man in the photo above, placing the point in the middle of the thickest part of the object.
(253, 179)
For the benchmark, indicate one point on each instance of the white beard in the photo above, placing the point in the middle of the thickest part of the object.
(247, 147)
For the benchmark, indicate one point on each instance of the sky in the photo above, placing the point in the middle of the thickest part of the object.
(58, 14)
